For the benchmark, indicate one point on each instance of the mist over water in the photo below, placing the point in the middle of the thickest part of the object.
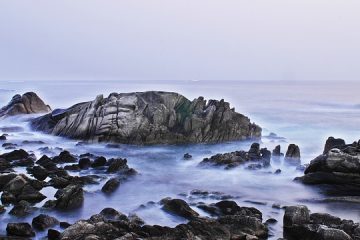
(304, 113)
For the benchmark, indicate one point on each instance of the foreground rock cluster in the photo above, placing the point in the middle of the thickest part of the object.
(21, 192)
(149, 118)
(300, 224)
(24, 104)
(231, 222)
(338, 167)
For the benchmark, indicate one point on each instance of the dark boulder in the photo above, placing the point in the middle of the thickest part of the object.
(70, 197)
(292, 155)
(53, 234)
(64, 157)
(111, 185)
(99, 162)
(42, 222)
(15, 155)
(116, 165)
(2, 137)
(179, 207)
(332, 142)
(20, 229)
(187, 156)
(84, 163)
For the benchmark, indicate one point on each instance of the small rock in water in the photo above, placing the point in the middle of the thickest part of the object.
(99, 162)
(277, 171)
(187, 156)
(293, 155)
(53, 234)
(20, 229)
(178, 207)
(84, 163)
(111, 185)
(2, 137)
(42, 222)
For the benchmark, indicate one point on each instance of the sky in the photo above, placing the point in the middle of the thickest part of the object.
(248, 40)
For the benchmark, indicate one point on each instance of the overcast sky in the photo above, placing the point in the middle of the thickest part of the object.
(180, 40)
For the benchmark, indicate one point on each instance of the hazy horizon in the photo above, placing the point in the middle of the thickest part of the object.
(298, 40)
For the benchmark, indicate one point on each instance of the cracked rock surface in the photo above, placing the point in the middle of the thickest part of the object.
(149, 118)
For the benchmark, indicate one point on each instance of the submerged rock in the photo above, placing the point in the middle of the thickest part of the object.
(149, 118)
(111, 185)
(25, 104)
(299, 224)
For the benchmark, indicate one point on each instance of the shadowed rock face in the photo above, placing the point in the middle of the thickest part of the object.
(149, 118)
(25, 104)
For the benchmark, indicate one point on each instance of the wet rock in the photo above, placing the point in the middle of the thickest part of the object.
(299, 224)
(9, 146)
(271, 221)
(178, 207)
(276, 153)
(338, 170)
(332, 142)
(4, 165)
(64, 225)
(149, 118)
(135, 219)
(27, 142)
(111, 185)
(113, 215)
(116, 165)
(11, 129)
(53, 234)
(26, 104)
(99, 162)
(2, 209)
(277, 171)
(296, 215)
(64, 157)
(42, 222)
(15, 155)
(22, 209)
(72, 167)
(20, 229)
(84, 163)
(293, 155)
(22, 188)
(255, 158)
(70, 197)
(239, 226)
(187, 156)
(2, 137)
(38, 172)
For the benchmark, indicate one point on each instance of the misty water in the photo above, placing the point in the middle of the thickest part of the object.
(304, 113)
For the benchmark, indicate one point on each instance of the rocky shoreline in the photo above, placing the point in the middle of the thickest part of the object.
(336, 170)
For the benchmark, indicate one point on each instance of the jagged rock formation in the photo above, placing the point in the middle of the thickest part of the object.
(338, 167)
(231, 222)
(255, 158)
(149, 118)
(299, 224)
(25, 104)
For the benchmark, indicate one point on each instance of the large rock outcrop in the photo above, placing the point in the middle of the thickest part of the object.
(28, 103)
(338, 167)
(149, 118)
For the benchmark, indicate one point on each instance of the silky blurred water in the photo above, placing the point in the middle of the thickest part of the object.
(305, 113)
